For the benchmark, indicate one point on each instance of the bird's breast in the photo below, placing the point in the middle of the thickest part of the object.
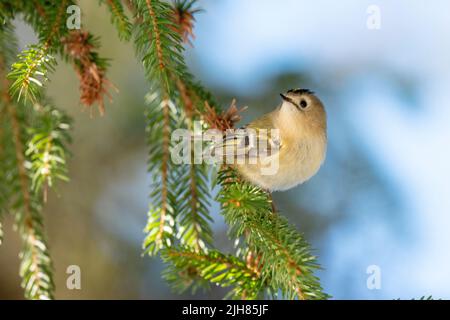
(294, 164)
(299, 163)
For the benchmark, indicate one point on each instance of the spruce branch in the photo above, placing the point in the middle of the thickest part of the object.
(160, 228)
(46, 17)
(193, 219)
(193, 189)
(36, 266)
(186, 266)
(159, 46)
(159, 42)
(182, 192)
(36, 269)
(8, 45)
(119, 18)
(37, 61)
(183, 15)
(80, 46)
(8, 165)
(30, 72)
(33, 149)
(25, 201)
(192, 216)
(47, 148)
(284, 254)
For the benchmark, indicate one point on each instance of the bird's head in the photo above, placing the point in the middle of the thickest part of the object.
(303, 107)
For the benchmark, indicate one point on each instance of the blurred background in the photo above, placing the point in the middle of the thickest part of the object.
(381, 198)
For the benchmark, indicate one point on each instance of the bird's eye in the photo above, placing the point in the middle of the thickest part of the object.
(303, 104)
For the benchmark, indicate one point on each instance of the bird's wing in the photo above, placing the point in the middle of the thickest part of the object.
(257, 139)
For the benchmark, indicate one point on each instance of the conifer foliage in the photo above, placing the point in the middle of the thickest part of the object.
(271, 259)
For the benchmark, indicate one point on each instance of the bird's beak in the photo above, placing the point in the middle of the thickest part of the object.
(285, 98)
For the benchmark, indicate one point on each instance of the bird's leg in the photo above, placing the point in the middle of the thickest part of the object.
(274, 210)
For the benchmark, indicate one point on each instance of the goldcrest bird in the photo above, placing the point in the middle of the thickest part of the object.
(300, 145)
